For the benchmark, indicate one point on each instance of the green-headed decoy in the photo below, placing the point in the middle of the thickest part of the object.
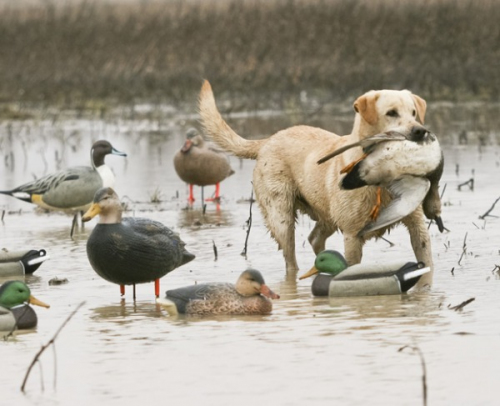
(129, 250)
(201, 163)
(15, 311)
(249, 296)
(336, 279)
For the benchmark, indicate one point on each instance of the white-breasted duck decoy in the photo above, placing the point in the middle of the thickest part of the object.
(71, 189)
(250, 296)
(15, 311)
(336, 279)
(130, 250)
(408, 167)
(201, 163)
(19, 263)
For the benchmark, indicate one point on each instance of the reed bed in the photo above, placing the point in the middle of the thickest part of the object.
(159, 51)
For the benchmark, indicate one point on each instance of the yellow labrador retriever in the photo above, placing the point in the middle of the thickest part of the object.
(287, 177)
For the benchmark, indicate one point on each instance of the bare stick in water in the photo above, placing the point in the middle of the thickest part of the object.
(416, 349)
(490, 209)
(470, 182)
(215, 250)
(463, 304)
(464, 249)
(249, 221)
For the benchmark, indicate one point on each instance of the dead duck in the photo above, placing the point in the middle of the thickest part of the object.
(201, 163)
(129, 250)
(18, 263)
(409, 168)
(250, 296)
(71, 189)
(15, 312)
(336, 279)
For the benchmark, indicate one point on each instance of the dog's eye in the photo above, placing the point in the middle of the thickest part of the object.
(414, 112)
(392, 113)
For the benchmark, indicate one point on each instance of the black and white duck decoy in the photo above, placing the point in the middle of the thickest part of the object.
(250, 296)
(129, 250)
(71, 189)
(408, 167)
(201, 163)
(19, 263)
(15, 311)
(336, 279)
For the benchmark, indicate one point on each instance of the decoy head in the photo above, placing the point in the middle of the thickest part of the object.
(14, 293)
(107, 205)
(193, 138)
(100, 149)
(328, 261)
(251, 283)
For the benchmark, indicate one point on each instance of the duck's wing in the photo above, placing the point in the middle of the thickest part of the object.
(366, 143)
(408, 192)
(182, 296)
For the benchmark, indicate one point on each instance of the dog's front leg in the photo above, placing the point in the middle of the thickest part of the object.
(421, 243)
(353, 247)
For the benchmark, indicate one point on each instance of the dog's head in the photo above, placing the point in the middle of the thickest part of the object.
(386, 110)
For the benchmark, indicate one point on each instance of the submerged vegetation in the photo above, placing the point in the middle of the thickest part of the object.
(67, 52)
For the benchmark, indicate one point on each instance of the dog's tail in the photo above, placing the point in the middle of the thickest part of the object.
(220, 132)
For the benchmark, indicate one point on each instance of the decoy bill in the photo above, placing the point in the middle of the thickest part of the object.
(130, 250)
(18, 263)
(71, 189)
(250, 296)
(201, 163)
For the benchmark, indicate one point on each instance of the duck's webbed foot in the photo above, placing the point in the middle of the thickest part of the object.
(376, 208)
(348, 168)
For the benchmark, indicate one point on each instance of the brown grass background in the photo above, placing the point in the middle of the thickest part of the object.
(160, 50)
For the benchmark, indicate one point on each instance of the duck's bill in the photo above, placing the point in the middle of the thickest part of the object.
(439, 222)
(94, 210)
(34, 301)
(187, 146)
(265, 291)
(114, 151)
(311, 272)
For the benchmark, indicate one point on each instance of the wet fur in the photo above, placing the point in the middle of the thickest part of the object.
(287, 177)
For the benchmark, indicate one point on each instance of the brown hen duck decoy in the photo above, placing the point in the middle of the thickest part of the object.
(129, 250)
(201, 163)
(250, 296)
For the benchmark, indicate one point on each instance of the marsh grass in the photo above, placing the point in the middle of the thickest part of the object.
(269, 50)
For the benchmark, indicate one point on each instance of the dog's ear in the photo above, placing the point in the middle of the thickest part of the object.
(421, 106)
(365, 106)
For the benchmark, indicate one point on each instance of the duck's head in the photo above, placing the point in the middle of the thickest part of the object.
(14, 293)
(328, 261)
(251, 283)
(193, 139)
(100, 149)
(107, 205)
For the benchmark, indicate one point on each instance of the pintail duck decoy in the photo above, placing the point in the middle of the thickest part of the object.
(71, 189)
(18, 263)
(408, 167)
(15, 311)
(336, 279)
(250, 296)
(130, 250)
(201, 163)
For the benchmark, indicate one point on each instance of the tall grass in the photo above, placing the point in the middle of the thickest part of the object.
(161, 50)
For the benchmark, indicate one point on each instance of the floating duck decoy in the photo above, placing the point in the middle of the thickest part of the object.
(409, 168)
(18, 263)
(249, 296)
(201, 163)
(14, 310)
(71, 189)
(336, 279)
(129, 250)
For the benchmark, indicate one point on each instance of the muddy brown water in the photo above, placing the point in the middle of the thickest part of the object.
(308, 351)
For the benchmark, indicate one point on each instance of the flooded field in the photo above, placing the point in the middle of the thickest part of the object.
(308, 351)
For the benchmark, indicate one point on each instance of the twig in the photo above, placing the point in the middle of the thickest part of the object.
(464, 249)
(387, 241)
(249, 222)
(463, 304)
(444, 188)
(215, 250)
(490, 209)
(416, 349)
(470, 182)
(51, 341)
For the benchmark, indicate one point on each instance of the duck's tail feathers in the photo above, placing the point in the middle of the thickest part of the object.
(25, 197)
(220, 132)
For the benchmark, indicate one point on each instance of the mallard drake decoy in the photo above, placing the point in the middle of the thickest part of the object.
(131, 250)
(249, 296)
(201, 163)
(71, 189)
(409, 168)
(18, 263)
(335, 278)
(14, 312)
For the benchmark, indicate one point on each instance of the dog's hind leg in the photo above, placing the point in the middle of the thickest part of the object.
(318, 236)
(353, 247)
